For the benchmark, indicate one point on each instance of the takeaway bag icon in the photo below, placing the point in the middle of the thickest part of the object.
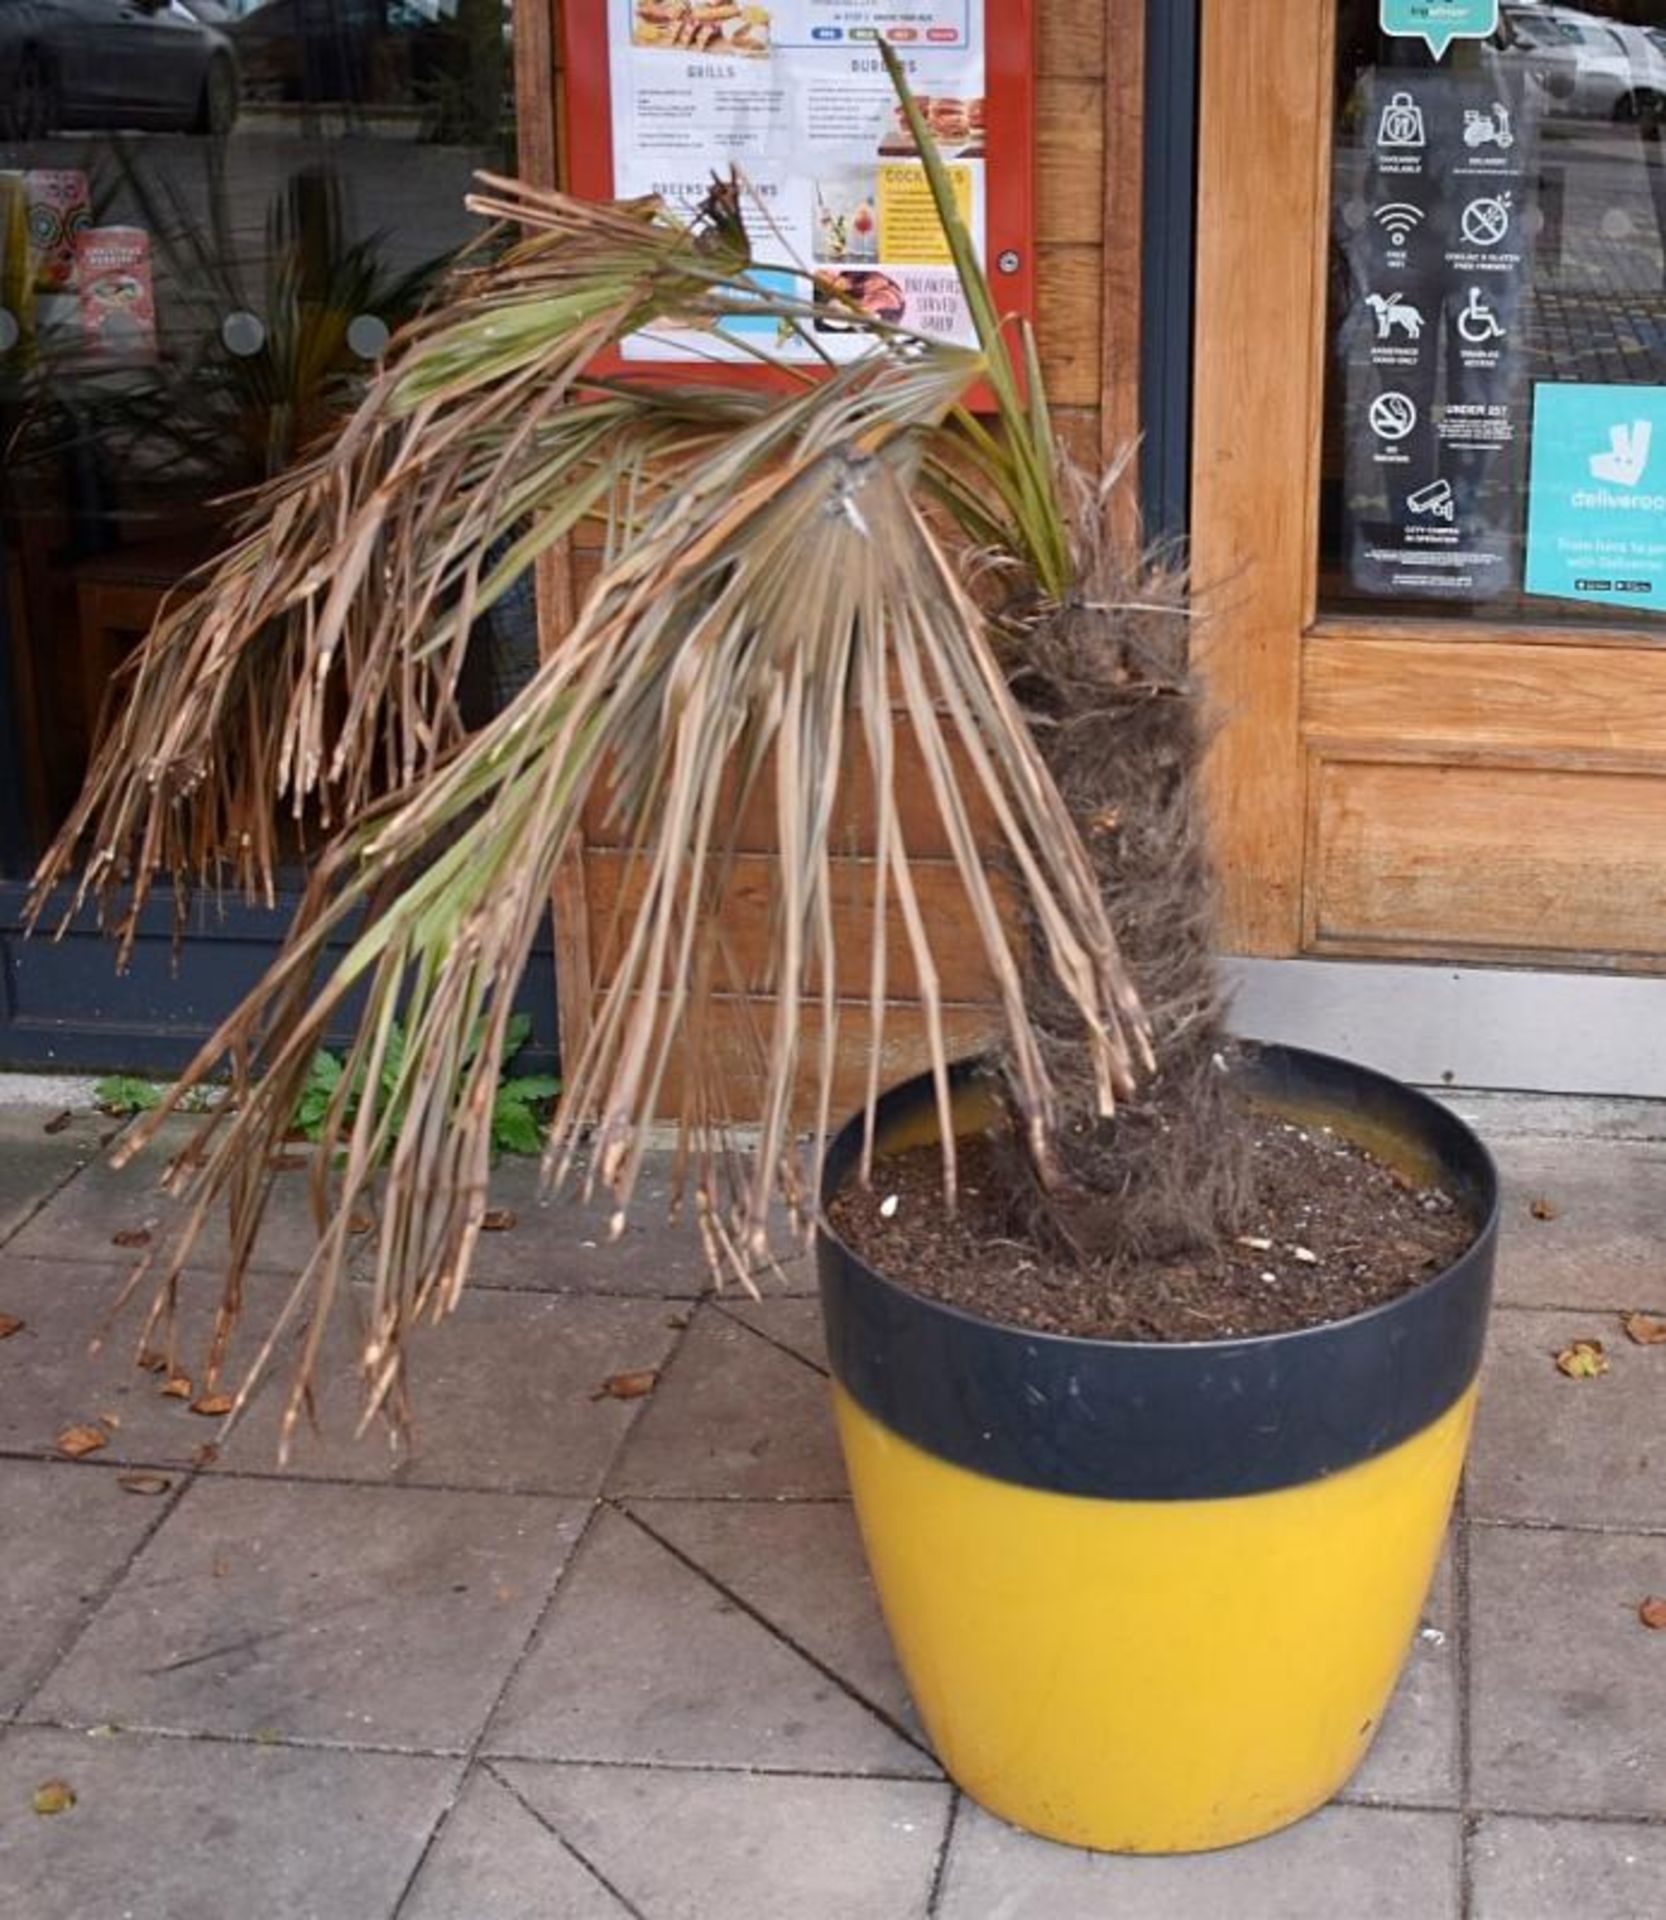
(1401, 124)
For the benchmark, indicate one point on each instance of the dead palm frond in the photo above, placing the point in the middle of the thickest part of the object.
(775, 606)
(316, 662)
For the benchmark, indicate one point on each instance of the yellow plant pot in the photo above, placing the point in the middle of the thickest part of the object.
(1154, 1598)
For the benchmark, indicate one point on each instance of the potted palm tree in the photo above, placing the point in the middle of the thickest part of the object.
(1150, 1577)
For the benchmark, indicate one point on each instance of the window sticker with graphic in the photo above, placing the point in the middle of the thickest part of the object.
(1596, 509)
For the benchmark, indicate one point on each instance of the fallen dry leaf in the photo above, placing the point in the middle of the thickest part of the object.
(76, 1441)
(1652, 1612)
(145, 1483)
(628, 1386)
(212, 1403)
(110, 1420)
(1645, 1329)
(497, 1220)
(178, 1387)
(131, 1237)
(206, 1454)
(360, 1222)
(58, 1122)
(220, 1565)
(1583, 1360)
(151, 1361)
(9, 1324)
(1543, 1209)
(53, 1796)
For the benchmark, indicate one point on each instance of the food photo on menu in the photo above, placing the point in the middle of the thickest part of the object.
(955, 124)
(876, 294)
(702, 26)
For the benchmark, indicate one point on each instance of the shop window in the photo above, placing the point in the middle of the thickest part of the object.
(1495, 422)
(212, 215)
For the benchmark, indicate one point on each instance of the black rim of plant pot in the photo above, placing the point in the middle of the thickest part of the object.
(1119, 1419)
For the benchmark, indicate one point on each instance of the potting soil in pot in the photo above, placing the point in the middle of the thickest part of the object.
(1333, 1231)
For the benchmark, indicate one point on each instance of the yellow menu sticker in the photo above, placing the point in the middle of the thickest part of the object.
(910, 234)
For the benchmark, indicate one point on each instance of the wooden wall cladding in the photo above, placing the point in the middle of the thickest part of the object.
(1553, 865)
(1090, 57)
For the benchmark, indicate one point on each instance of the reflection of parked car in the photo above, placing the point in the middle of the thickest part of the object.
(363, 52)
(1590, 68)
(112, 64)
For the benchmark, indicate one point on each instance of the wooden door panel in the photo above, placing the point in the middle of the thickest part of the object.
(1386, 781)
(1504, 862)
(1560, 702)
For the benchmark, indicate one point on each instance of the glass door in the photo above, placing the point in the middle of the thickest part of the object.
(1495, 426)
(1430, 477)
(212, 214)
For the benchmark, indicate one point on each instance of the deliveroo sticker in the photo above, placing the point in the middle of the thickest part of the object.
(1596, 500)
(1439, 22)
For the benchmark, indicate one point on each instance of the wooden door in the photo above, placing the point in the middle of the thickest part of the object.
(1475, 780)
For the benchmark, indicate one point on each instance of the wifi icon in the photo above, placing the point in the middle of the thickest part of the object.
(1398, 219)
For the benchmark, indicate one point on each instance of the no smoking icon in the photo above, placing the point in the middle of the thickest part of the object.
(1392, 415)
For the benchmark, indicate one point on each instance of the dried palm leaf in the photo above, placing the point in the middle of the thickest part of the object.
(316, 662)
(776, 600)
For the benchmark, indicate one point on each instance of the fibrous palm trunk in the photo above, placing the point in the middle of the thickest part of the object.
(1104, 680)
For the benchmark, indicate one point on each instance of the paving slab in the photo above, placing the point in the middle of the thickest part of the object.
(705, 1846)
(192, 1830)
(1568, 1706)
(34, 1164)
(506, 1395)
(641, 1659)
(68, 1530)
(49, 1380)
(1555, 1869)
(1605, 1246)
(374, 1615)
(1343, 1863)
(793, 1324)
(83, 1218)
(738, 1414)
(563, 1244)
(1413, 1761)
(495, 1859)
(800, 1565)
(1577, 1452)
(1498, 1115)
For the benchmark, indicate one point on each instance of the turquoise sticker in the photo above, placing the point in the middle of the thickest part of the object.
(1440, 22)
(1596, 495)
(765, 282)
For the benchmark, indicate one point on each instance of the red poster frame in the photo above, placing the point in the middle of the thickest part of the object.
(1009, 179)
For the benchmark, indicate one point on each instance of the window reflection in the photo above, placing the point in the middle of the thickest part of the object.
(1498, 319)
(212, 215)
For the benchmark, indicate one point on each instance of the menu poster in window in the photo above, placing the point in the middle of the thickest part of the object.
(794, 95)
(1436, 245)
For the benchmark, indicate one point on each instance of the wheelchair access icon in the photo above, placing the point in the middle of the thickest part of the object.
(1477, 323)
